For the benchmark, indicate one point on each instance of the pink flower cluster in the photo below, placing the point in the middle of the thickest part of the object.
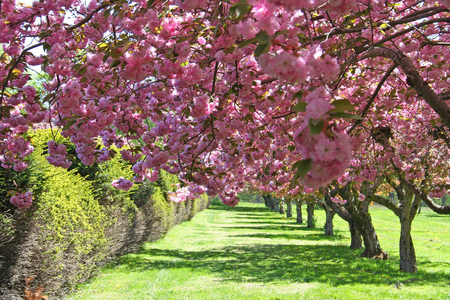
(57, 155)
(22, 200)
(122, 184)
(338, 200)
(181, 195)
(330, 156)
(202, 106)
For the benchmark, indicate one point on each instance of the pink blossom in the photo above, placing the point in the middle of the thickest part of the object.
(22, 200)
(122, 184)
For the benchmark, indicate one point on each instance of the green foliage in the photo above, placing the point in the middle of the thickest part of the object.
(163, 208)
(78, 219)
(70, 222)
(105, 192)
(167, 182)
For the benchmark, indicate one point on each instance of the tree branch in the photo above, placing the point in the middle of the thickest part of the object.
(385, 202)
(414, 80)
(372, 98)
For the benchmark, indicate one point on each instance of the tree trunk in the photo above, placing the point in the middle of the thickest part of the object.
(310, 210)
(289, 209)
(329, 221)
(266, 202)
(408, 211)
(372, 246)
(407, 253)
(276, 204)
(356, 240)
(282, 210)
(299, 212)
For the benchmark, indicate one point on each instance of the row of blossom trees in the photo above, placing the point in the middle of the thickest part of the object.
(284, 94)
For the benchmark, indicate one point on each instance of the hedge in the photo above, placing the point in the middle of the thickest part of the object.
(78, 221)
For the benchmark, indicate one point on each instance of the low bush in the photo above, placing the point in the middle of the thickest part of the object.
(78, 221)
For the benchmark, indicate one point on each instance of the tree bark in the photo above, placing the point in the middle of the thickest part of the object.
(408, 261)
(299, 212)
(282, 210)
(289, 209)
(276, 204)
(361, 219)
(329, 221)
(356, 240)
(310, 210)
(266, 201)
(372, 246)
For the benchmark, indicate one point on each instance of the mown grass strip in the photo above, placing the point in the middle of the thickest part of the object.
(250, 252)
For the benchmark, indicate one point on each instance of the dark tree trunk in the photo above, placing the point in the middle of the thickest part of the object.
(408, 261)
(266, 202)
(408, 211)
(329, 222)
(299, 212)
(276, 204)
(372, 246)
(360, 218)
(310, 210)
(270, 202)
(282, 210)
(356, 240)
(289, 209)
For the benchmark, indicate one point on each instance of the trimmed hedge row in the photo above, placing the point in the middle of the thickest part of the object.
(78, 222)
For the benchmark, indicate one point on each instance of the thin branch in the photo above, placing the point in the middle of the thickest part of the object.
(374, 95)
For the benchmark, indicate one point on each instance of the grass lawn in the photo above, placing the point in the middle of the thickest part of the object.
(250, 252)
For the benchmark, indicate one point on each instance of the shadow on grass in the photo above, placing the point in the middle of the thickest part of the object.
(308, 237)
(261, 208)
(336, 265)
(272, 226)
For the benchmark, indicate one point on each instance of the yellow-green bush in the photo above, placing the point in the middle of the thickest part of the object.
(78, 220)
(68, 224)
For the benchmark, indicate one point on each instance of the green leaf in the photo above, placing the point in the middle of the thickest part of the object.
(316, 126)
(342, 105)
(262, 48)
(69, 124)
(126, 46)
(300, 107)
(303, 167)
(150, 3)
(343, 115)
(115, 63)
(299, 95)
(239, 10)
(262, 37)
(246, 43)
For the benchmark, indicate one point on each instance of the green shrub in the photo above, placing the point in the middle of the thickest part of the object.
(69, 221)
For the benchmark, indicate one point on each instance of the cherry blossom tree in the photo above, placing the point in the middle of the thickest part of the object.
(227, 92)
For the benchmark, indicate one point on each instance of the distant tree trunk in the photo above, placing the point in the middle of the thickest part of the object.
(282, 210)
(310, 211)
(277, 204)
(299, 211)
(289, 209)
(329, 221)
(356, 240)
(266, 201)
(443, 200)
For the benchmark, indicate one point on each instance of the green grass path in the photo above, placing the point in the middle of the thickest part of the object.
(250, 252)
